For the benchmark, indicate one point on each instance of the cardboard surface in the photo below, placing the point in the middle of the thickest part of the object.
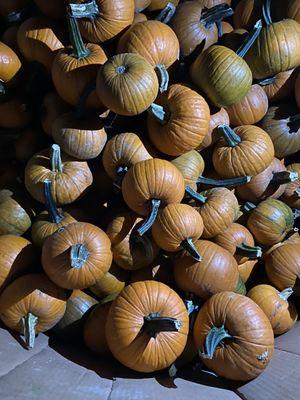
(290, 341)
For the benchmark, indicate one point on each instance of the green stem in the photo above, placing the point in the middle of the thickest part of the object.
(251, 252)
(248, 207)
(154, 324)
(55, 158)
(266, 12)
(79, 49)
(195, 195)
(230, 136)
(267, 81)
(250, 39)
(286, 293)
(29, 323)
(88, 9)
(224, 182)
(121, 172)
(159, 113)
(213, 339)
(163, 77)
(294, 122)
(215, 14)
(297, 193)
(78, 255)
(154, 207)
(54, 215)
(166, 14)
(189, 246)
(283, 177)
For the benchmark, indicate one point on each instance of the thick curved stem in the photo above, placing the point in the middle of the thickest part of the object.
(79, 49)
(154, 324)
(166, 14)
(251, 252)
(250, 39)
(215, 14)
(55, 158)
(121, 172)
(243, 180)
(189, 246)
(195, 195)
(29, 323)
(248, 207)
(79, 253)
(54, 215)
(282, 177)
(286, 293)
(267, 81)
(159, 113)
(213, 339)
(229, 135)
(84, 10)
(266, 12)
(163, 77)
(294, 122)
(154, 207)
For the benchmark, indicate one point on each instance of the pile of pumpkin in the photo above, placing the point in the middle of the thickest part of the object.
(150, 177)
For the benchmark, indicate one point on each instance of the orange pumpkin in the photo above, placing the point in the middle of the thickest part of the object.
(280, 86)
(10, 66)
(191, 165)
(113, 281)
(218, 116)
(291, 194)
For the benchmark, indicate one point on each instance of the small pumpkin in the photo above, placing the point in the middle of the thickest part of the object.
(234, 337)
(52, 107)
(281, 313)
(191, 165)
(32, 304)
(291, 194)
(77, 256)
(14, 113)
(280, 86)
(113, 281)
(158, 317)
(218, 116)
(10, 67)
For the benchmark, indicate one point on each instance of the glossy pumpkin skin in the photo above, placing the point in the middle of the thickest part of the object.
(290, 197)
(246, 13)
(140, 5)
(250, 157)
(222, 75)
(36, 294)
(52, 9)
(14, 113)
(113, 281)
(282, 86)
(152, 179)
(124, 150)
(67, 186)
(160, 4)
(83, 139)
(250, 109)
(281, 313)
(261, 187)
(132, 346)
(270, 221)
(248, 353)
(56, 259)
(159, 44)
(218, 117)
(216, 272)
(17, 256)
(52, 107)
(10, 65)
(127, 84)
(191, 165)
(127, 253)
(187, 122)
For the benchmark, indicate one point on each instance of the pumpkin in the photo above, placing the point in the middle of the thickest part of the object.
(270, 221)
(139, 17)
(218, 116)
(52, 9)
(130, 252)
(280, 86)
(113, 281)
(212, 3)
(281, 313)
(216, 272)
(234, 336)
(160, 271)
(16, 258)
(140, 5)
(234, 39)
(155, 315)
(282, 123)
(77, 256)
(246, 150)
(293, 10)
(39, 40)
(10, 66)
(127, 84)
(178, 121)
(52, 107)
(9, 37)
(70, 178)
(14, 113)
(191, 165)
(49, 221)
(226, 27)
(149, 185)
(291, 194)
(177, 227)
(75, 67)
(160, 4)
(246, 13)
(32, 304)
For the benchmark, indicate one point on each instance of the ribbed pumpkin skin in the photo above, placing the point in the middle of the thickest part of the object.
(113, 281)
(130, 92)
(248, 353)
(188, 121)
(250, 157)
(289, 196)
(53, 106)
(114, 16)
(260, 186)
(160, 4)
(56, 255)
(216, 272)
(276, 49)
(152, 179)
(222, 75)
(175, 223)
(270, 221)
(94, 330)
(245, 269)
(33, 293)
(191, 165)
(14, 114)
(133, 347)
(281, 313)
(282, 87)
(250, 109)
(125, 149)
(246, 13)
(159, 44)
(219, 117)
(10, 64)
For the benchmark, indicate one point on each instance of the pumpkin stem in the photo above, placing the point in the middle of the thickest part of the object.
(224, 182)
(297, 192)
(159, 113)
(266, 12)
(29, 323)
(250, 39)
(286, 293)
(121, 172)
(166, 13)
(294, 122)
(154, 207)
(78, 255)
(230, 136)
(215, 14)
(54, 215)
(79, 49)
(267, 81)
(251, 252)
(213, 339)
(55, 158)
(240, 287)
(195, 195)
(84, 10)
(154, 324)
(282, 177)
(163, 77)
(189, 246)
(248, 207)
